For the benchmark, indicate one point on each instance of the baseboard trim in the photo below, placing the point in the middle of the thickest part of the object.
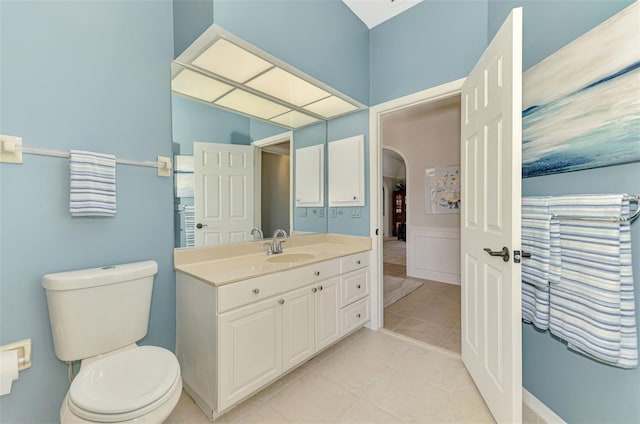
(540, 408)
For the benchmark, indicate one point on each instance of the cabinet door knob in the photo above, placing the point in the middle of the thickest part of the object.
(357, 315)
(358, 286)
(281, 301)
(358, 262)
(355, 197)
(320, 288)
(317, 273)
(314, 289)
(256, 291)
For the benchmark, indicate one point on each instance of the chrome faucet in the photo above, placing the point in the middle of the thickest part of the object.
(276, 245)
(256, 230)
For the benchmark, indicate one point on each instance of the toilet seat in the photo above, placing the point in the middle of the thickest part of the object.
(124, 385)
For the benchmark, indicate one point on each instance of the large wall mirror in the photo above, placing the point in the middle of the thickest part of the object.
(240, 118)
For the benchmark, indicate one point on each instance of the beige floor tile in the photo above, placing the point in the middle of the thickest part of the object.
(453, 341)
(363, 412)
(466, 404)
(406, 306)
(377, 346)
(312, 399)
(439, 369)
(395, 270)
(528, 416)
(408, 397)
(446, 315)
(352, 370)
(186, 411)
(423, 331)
(262, 414)
(391, 320)
(239, 411)
(274, 388)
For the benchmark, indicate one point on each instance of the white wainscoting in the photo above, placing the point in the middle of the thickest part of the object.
(434, 254)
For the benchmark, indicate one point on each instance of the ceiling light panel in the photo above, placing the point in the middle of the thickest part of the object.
(285, 86)
(294, 119)
(230, 61)
(199, 86)
(251, 104)
(330, 107)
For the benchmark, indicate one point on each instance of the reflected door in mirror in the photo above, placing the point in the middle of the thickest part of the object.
(224, 192)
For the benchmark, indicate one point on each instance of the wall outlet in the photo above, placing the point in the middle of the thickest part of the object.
(355, 213)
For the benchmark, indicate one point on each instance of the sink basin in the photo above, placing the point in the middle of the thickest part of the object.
(290, 257)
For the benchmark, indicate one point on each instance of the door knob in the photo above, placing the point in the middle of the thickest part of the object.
(504, 253)
(200, 225)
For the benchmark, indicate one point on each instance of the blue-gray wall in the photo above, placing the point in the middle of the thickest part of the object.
(576, 388)
(93, 76)
(432, 43)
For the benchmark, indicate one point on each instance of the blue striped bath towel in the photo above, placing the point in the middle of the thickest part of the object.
(93, 184)
(541, 238)
(592, 307)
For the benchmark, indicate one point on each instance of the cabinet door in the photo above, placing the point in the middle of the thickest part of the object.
(346, 172)
(250, 350)
(309, 171)
(327, 302)
(298, 339)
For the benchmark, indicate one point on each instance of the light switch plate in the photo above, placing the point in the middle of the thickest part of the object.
(320, 212)
(302, 212)
(355, 213)
(334, 212)
(10, 149)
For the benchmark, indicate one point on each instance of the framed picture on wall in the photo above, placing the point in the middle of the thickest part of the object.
(442, 190)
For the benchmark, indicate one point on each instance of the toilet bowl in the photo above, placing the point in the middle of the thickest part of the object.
(136, 384)
(97, 315)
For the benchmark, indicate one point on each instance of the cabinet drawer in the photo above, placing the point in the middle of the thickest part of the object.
(354, 286)
(309, 274)
(248, 291)
(353, 262)
(355, 315)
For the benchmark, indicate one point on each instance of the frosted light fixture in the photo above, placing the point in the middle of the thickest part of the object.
(281, 84)
(251, 104)
(330, 107)
(294, 119)
(199, 86)
(223, 70)
(230, 61)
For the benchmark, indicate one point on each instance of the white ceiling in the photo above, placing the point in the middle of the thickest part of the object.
(374, 12)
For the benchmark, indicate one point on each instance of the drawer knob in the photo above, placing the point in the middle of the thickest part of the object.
(281, 301)
(357, 315)
(358, 286)
(320, 288)
(317, 273)
(358, 262)
(256, 291)
(314, 289)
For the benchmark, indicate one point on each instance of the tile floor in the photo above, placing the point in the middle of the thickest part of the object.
(369, 377)
(430, 314)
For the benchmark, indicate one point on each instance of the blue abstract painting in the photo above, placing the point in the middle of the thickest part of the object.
(581, 105)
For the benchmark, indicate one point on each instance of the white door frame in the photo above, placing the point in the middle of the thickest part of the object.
(259, 144)
(376, 112)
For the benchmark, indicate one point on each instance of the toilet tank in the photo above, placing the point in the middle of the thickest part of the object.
(94, 311)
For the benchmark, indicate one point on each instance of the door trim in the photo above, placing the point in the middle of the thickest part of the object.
(376, 113)
(259, 144)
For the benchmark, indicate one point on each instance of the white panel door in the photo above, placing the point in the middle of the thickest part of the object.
(491, 189)
(223, 189)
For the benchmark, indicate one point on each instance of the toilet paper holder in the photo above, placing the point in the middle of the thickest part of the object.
(24, 352)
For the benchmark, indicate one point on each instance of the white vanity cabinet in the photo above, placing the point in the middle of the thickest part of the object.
(236, 338)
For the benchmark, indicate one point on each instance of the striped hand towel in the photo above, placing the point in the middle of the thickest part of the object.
(592, 305)
(93, 184)
(540, 237)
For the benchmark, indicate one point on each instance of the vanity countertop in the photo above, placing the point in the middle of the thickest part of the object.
(219, 265)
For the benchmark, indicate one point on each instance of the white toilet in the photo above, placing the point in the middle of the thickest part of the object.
(97, 315)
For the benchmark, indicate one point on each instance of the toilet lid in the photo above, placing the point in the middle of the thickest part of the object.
(125, 381)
